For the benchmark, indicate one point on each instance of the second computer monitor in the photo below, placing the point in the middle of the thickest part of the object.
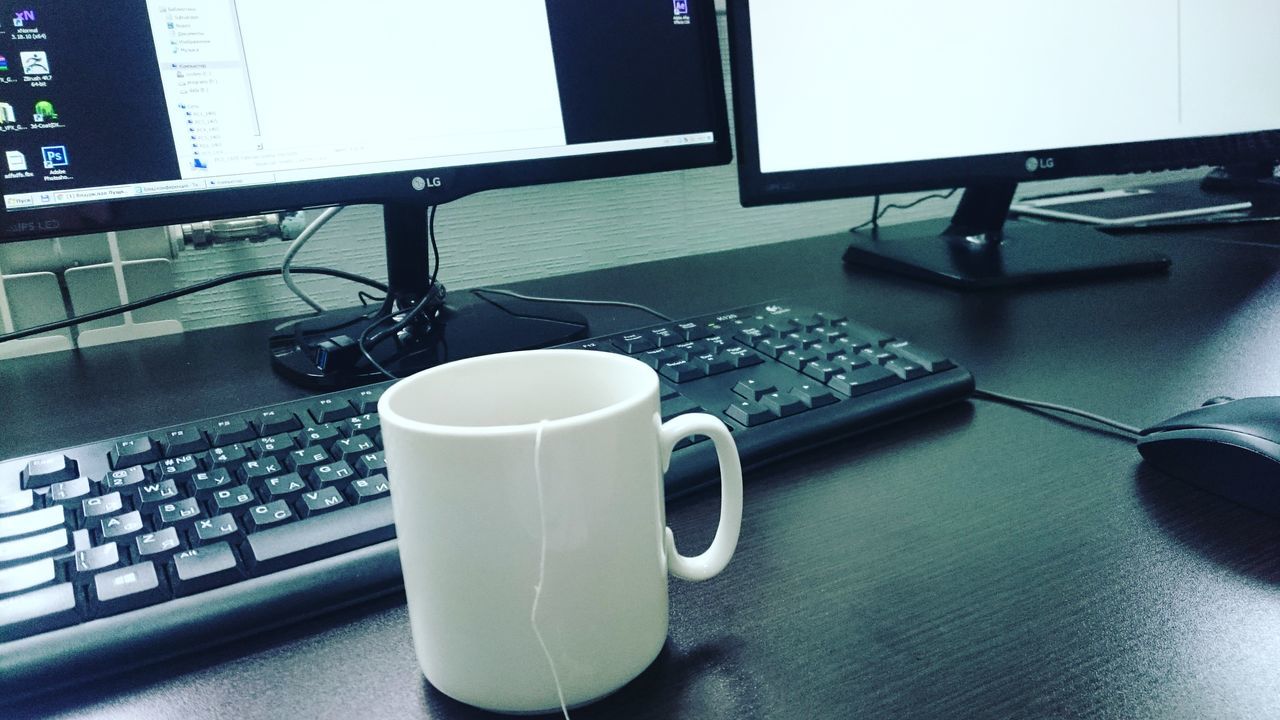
(842, 98)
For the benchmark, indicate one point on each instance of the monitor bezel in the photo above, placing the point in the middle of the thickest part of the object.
(443, 184)
(759, 188)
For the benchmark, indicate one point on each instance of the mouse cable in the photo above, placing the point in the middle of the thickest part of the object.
(1039, 405)
(877, 213)
(575, 301)
(181, 292)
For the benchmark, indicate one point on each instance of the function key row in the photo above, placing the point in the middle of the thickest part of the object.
(227, 431)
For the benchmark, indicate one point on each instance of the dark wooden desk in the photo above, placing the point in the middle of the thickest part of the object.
(980, 562)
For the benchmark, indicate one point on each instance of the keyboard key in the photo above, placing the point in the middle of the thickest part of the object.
(666, 335)
(70, 491)
(366, 400)
(31, 522)
(693, 330)
(821, 371)
(797, 359)
(633, 343)
(360, 425)
(158, 545)
(35, 546)
(658, 357)
(273, 422)
(218, 527)
(666, 391)
(814, 395)
(330, 410)
(753, 389)
(179, 514)
(681, 371)
(203, 484)
(98, 557)
(321, 501)
(774, 347)
(877, 357)
(27, 576)
(364, 490)
(231, 498)
(261, 469)
(713, 364)
(782, 326)
(783, 404)
(183, 441)
(126, 588)
(119, 527)
(230, 457)
(38, 611)
(17, 501)
(204, 568)
(118, 479)
(102, 505)
(351, 448)
(134, 451)
(742, 357)
(371, 463)
(863, 380)
(283, 487)
(149, 495)
(179, 468)
(749, 413)
(318, 436)
(261, 517)
(877, 338)
(332, 473)
(905, 370)
(751, 334)
(930, 361)
(271, 447)
(230, 431)
(304, 460)
(307, 540)
(47, 470)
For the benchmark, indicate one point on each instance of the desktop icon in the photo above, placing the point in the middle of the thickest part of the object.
(16, 160)
(44, 111)
(22, 17)
(199, 164)
(35, 62)
(6, 114)
(4, 64)
(55, 156)
(680, 7)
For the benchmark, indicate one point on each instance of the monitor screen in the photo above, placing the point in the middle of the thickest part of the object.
(841, 97)
(134, 112)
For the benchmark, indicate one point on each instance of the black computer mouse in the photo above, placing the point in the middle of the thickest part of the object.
(1228, 447)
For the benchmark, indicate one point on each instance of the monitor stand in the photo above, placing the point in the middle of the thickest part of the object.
(321, 351)
(979, 248)
(1257, 182)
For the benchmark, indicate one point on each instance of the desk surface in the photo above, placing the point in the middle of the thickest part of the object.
(979, 562)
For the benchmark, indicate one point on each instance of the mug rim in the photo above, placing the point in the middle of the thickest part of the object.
(618, 407)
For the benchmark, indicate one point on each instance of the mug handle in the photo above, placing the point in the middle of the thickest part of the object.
(716, 557)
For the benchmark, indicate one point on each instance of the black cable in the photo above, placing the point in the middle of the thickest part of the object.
(431, 301)
(877, 213)
(1040, 405)
(182, 292)
(575, 301)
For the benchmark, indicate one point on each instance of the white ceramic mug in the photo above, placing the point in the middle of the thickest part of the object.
(537, 477)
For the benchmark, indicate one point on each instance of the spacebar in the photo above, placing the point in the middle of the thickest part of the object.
(318, 537)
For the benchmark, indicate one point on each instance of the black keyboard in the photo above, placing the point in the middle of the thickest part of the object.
(163, 543)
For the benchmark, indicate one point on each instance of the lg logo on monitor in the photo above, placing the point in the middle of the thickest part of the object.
(1034, 163)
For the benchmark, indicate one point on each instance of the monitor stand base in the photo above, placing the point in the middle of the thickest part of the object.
(1025, 254)
(466, 327)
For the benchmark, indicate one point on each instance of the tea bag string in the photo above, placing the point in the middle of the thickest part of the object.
(542, 565)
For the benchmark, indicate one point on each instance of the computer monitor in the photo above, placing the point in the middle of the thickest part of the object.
(845, 98)
(135, 113)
